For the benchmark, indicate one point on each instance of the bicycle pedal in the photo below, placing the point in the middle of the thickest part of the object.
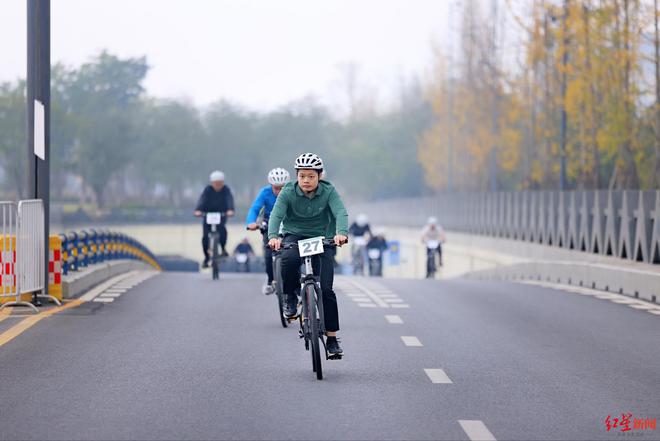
(335, 357)
(300, 334)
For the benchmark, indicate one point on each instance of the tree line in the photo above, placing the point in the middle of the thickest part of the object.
(584, 90)
(112, 144)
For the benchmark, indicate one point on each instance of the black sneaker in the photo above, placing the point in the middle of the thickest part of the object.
(332, 346)
(205, 264)
(224, 254)
(291, 307)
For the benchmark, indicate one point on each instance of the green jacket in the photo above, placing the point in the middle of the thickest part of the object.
(322, 215)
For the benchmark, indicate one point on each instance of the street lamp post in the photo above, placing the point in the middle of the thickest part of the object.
(38, 111)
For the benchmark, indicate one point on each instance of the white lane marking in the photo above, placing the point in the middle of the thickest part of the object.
(116, 290)
(94, 292)
(642, 306)
(110, 294)
(624, 301)
(606, 296)
(104, 299)
(394, 319)
(388, 296)
(412, 341)
(476, 430)
(394, 301)
(437, 376)
(612, 297)
(400, 305)
(361, 299)
(367, 305)
(377, 300)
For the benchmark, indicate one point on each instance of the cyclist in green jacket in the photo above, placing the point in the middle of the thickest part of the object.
(309, 207)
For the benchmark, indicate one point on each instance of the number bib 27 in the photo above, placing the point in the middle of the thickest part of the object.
(310, 247)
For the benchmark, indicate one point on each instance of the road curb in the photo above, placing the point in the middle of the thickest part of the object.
(75, 284)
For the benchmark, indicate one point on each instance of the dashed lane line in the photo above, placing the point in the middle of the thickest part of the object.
(411, 341)
(438, 376)
(95, 292)
(476, 430)
(394, 319)
(377, 300)
(110, 294)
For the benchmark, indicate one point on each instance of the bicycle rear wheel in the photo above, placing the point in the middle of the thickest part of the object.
(313, 323)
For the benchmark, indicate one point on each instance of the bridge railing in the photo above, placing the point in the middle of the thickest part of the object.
(624, 224)
(83, 248)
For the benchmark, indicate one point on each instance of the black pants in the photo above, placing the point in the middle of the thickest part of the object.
(205, 238)
(268, 257)
(323, 265)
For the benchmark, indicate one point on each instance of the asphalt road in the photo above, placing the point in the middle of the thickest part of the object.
(182, 357)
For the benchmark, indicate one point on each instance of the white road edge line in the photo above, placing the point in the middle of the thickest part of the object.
(394, 319)
(438, 376)
(476, 430)
(104, 300)
(412, 341)
(94, 292)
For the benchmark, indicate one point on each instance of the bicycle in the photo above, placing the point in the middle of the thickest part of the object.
(375, 262)
(432, 247)
(357, 254)
(278, 286)
(214, 219)
(312, 323)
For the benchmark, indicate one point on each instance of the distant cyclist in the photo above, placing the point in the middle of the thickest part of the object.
(242, 254)
(216, 198)
(310, 207)
(433, 236)
(361, 232)
(265, 201)
(376, 246)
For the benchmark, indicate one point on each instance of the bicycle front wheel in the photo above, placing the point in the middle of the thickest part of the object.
(313, 323)
(215, 259)
(277, 271)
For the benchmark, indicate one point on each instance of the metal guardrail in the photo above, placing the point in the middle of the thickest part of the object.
(624, 224)
(83, 248)
(23, 248)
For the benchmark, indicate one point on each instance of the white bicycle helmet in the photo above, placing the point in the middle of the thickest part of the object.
(217, 176)
(309, 161)
(278, 177)
(362, 220)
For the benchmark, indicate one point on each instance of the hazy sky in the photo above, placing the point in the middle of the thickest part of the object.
(261, 53)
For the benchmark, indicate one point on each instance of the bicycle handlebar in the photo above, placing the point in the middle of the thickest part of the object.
(326, 243)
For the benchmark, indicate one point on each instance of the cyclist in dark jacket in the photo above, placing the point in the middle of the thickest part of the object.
(216, 198)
